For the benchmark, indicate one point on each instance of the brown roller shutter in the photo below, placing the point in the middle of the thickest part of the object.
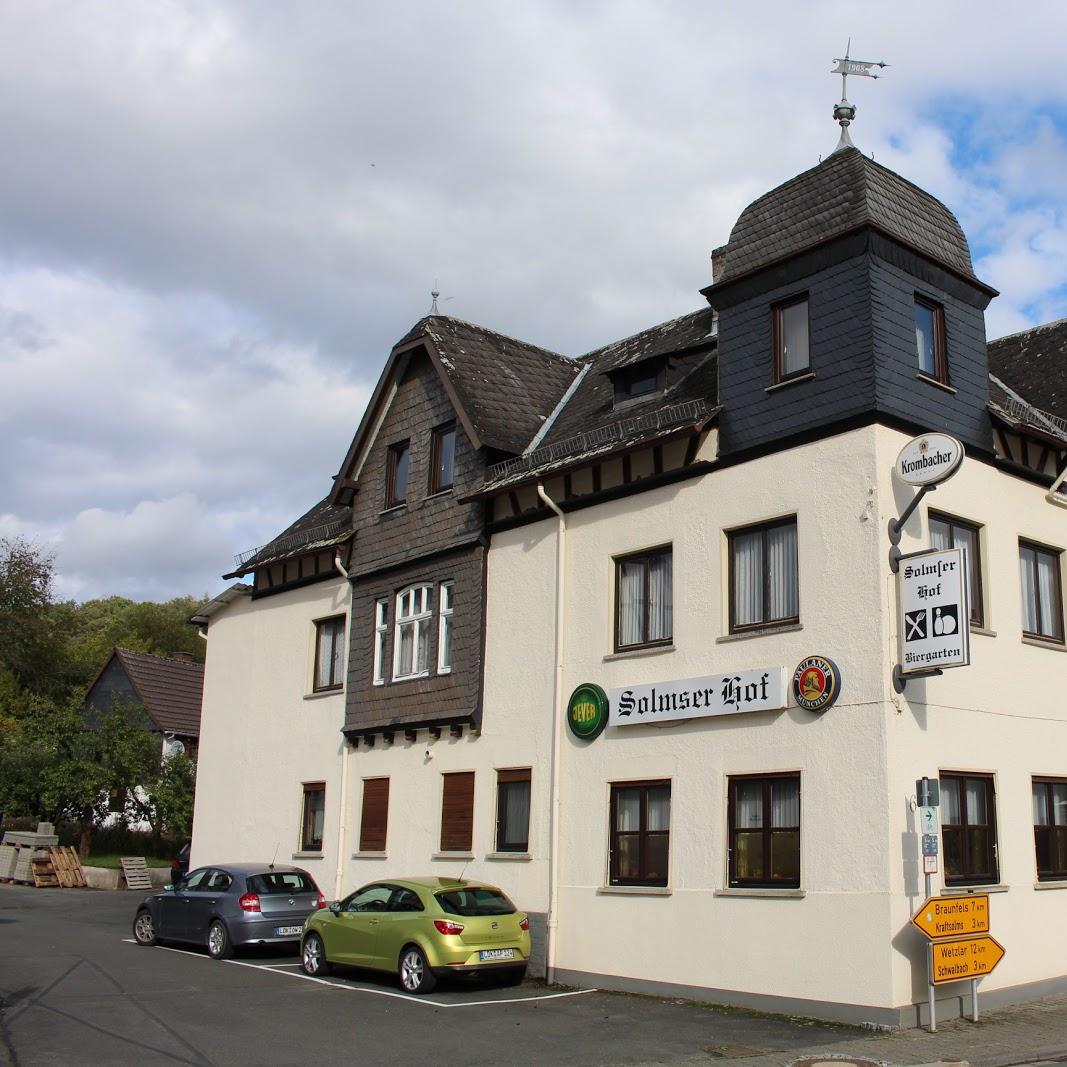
(515, 774)
(457, 812)
(375, 820)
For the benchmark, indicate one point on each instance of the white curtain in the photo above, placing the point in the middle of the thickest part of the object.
(632, 602)
(950, 801)
(795, 335)
(748, 805)
(977, 815)
(628, 810)
(407, 646)
(748, 578)
(1047, 591)
(661, 609)
(785, 803)
(782, 562)
(423, 626)
(1038, 578)
(516, 812)
(659, 809)
(939, 535)
(1040, 810)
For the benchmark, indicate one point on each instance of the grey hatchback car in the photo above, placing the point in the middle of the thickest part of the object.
(230, 905)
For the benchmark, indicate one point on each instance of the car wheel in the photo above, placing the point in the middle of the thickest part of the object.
(144, 929)
(415, 974)
(313, 957)
(512, 976)
(218, 941)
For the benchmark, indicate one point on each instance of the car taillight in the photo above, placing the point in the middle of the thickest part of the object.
(249, 902)
(445, 927)
(322, 901)
(524, 923)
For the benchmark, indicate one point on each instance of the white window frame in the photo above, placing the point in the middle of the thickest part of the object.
(414, 609)
(445, 608)
(381, 635)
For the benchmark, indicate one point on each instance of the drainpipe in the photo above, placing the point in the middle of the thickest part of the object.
(342, 819)
(337, 563)
(557, 737)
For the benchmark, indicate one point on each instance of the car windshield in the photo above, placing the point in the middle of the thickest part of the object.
(281, 882)
(475, 900)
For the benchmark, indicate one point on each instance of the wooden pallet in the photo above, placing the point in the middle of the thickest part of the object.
(67, 866)
(44, 874)
(135, 872)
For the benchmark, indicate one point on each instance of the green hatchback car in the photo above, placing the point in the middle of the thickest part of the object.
(421, 929)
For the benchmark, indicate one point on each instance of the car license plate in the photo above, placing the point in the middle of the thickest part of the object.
(497, 954)
(287, 931)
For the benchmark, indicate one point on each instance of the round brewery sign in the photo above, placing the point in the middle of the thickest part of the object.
(587, 711)
(816, 683)
(929, 459)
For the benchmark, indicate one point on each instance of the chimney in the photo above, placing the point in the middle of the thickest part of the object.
(718, 262)
(183, 657)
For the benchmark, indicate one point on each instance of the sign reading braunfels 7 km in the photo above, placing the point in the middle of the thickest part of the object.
(934, 610)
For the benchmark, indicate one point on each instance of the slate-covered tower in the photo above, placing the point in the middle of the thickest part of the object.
(847, 296)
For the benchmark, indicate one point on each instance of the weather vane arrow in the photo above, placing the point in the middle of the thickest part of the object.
(846, 112)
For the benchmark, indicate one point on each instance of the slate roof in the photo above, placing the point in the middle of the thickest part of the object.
(320, 527)
(170, 689)
(1034, 364)
(844, 192)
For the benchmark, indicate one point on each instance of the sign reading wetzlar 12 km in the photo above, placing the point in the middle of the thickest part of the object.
(969, 957)
(953, 916)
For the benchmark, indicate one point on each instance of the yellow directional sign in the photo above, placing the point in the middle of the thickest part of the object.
(953, 916)
(968, 957)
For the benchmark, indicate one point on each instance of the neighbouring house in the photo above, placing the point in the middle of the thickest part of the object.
(568, 625)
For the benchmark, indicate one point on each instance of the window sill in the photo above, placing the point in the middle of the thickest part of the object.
(963, 890)
(755, 891)
(1050, 885)
(637, 653)
(393, 508)
(787, 628)
(934, 381)
(307, 855)
(447, 491)
(318, 694)
(1054, 646)
(452, 856)
(410, 677)
(370, 855)
(790, 381)
(983, 631)
(522, 857)
(634, 891)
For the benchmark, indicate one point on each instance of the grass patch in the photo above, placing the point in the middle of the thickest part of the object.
(112, 862)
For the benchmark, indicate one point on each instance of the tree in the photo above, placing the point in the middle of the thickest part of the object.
(29, 643)
(168, 797)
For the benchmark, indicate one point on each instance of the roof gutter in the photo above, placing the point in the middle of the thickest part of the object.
(563, 402)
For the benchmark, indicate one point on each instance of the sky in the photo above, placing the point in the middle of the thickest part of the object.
(217, 218)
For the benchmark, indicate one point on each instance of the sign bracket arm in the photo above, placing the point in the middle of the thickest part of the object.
(896, 526)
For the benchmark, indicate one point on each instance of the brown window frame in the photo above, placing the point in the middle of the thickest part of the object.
(504, 780)
(437, 436)
(1050, 873)
(969, 873)
(764, 528)
(374, 816)
(1056, 638)
(317, 684)
(940, 347)
(778, 331)
(396, 452)
(308, 843)
(457, 811)
(767, 832)
(646, 556)
(974, 565)
(643, 834)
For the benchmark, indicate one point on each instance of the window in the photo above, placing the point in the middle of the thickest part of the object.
(640, 832)
(313, 816)
(443, 458)
(930, 339)
(329, 653)
(639, 379)
(396, 479)
(457, 812)
(792, 355)
(375, 818)
(643, 599)
(764, 818)
(1050, 828)
(947, 532)
(763, 576)
(381, 636)
(968, 829)
(1039, 573)
(513, 810)
(444, 628)
(411, 646)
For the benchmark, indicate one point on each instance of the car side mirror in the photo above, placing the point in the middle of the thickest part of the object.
(335, 907)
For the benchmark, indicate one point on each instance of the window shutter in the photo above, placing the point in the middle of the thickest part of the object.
(457, 812)
(375, 819)
(521, 774)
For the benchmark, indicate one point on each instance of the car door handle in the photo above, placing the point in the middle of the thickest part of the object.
(374, 922)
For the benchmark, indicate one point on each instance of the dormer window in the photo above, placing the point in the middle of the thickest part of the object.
(639, 379)
(930, 339)
(396, 478)
(792, 350)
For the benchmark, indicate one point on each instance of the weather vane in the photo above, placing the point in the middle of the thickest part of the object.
(846, 112)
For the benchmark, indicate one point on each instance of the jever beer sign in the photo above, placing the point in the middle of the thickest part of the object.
(929, 459)
(587, 711)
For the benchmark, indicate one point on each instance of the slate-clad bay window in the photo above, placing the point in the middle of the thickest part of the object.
(969, 829)
(444, 628)
(764, 584)
(764, 818)
(948, 532)
(411, 642)
(1050, 828)
(374, 821)
(457, 812)
(792, 355)
(312, 816)
(644, 613)
(640, 833)
(329, 653)
(396, 476)
(930, 339)
(1039, 576)
(513, 810)
(442, 458)
(381, 637)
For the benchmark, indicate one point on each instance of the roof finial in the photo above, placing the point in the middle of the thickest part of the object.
(435, 293)
(846, 112)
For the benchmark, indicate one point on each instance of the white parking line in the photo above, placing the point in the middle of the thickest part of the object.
(278, 968)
